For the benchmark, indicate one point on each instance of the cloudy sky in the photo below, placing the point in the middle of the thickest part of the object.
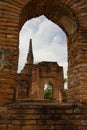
(49, 42)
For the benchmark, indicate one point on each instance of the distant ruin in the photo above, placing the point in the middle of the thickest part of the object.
(30, 82)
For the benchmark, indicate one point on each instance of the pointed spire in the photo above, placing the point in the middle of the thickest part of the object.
(30, 54)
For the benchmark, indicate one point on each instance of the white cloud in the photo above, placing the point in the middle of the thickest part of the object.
(49, 42)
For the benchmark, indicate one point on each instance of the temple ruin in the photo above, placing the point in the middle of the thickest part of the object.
(31, 80)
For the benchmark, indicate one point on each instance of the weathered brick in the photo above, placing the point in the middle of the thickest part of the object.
(14, 128)
(3, 127)
(73, 20)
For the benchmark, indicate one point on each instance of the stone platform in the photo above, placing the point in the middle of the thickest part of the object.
(37, 115)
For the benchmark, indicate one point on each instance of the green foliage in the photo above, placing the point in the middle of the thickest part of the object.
(65, 80)
(48, 93)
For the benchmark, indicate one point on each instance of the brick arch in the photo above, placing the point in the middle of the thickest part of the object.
(69, 15)
(56, 11)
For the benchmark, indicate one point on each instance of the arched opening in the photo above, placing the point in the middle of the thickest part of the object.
(68, 23)
(50, 47)
(48, 91)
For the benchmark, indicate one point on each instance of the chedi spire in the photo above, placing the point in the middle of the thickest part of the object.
(30, 54)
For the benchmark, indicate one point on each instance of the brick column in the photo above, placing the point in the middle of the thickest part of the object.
(83, 65)
(8, 50)
(77, 62)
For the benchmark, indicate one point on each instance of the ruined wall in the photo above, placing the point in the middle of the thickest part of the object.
(22, 87)
(30, 84)
(50, 72)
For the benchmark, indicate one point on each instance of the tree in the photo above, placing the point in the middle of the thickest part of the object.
(48, 92)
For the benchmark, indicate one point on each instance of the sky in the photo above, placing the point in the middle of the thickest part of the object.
(48, 41)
